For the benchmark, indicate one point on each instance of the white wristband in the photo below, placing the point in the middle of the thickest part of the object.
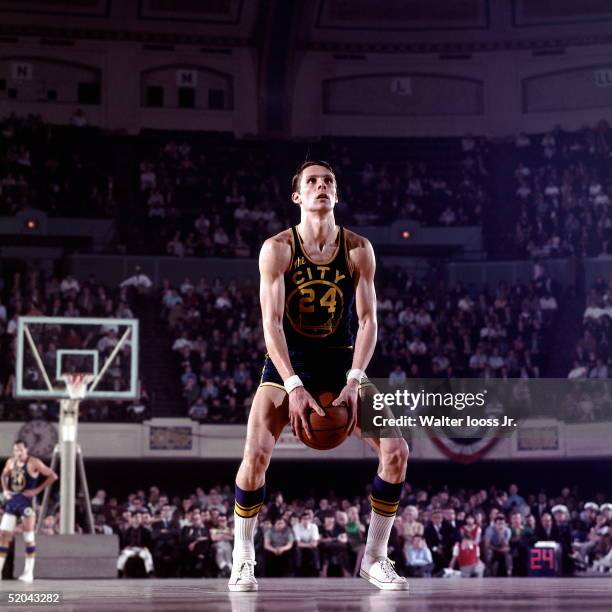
(357, 374)
(292, 383)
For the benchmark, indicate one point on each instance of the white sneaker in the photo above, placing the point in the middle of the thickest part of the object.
(243, 576)
(29, 577)
(382, 574)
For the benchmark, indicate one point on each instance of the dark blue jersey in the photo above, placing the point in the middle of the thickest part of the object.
(319, 299)
(20, 479)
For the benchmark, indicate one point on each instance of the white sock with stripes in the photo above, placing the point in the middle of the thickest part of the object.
(244, 534)
(378, 536)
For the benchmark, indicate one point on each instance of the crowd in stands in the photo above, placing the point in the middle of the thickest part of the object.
(33, 294)
(213, 195)
(63, 171)
(197, 204)
(426, 329)
(435, 182)
(592, 358)
(209, 200)
(467, 532)
(563, 193)
(218, 345)
(430, 329)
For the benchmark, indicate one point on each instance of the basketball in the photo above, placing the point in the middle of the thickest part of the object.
(328, 431)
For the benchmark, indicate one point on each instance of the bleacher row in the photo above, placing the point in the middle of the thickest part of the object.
(210, 194)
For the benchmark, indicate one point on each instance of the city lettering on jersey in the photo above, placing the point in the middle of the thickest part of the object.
(319, 273)
(316, 306)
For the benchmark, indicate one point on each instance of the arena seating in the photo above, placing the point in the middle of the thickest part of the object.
(65, 171)
(591, 357)
(210, 194)
(426, 329)
(579, 527)
(33, 294)
(213, 195)
(563, 187)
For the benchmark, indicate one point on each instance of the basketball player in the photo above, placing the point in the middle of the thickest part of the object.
(19, 477)
(310, 276)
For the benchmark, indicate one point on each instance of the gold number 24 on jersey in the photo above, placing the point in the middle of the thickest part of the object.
(327, 301)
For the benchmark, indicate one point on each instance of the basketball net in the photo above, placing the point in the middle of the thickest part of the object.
(76, 384)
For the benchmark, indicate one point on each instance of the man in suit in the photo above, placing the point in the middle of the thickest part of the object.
(135, 542)
(547, 530)
(434, 536)
(195, 545)
(450, 531)
(540, 507)
(166, 534)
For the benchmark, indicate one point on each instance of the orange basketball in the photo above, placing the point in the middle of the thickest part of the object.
(328, 431)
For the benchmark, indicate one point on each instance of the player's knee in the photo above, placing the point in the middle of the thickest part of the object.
(396, 455)
(257, 459)
(8, 524)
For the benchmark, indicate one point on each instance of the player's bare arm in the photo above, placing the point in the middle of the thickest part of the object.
(274, 259)
(363, 263)
(4, 478)
(43, 470)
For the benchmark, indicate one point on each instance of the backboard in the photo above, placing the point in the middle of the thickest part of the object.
(49, 348)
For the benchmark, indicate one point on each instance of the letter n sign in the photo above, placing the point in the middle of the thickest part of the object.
(21, 71)
(187, 78)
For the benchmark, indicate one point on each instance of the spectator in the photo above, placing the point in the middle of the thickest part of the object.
(165, 542)
(397, 377)
(195, 543)
(470, 529)
(497, 546)
(49, 526)
(541, 507)
(417, 557)
(466, 558)
(411, 526)
(561, 518)
(333, 547)
(436, 542)
(222, 537)
(450, 531)
(139, 280)
(521, 540)
(307, 536)
(515, 500)
(100, 525)
(278, 543)
(78, 118)
(135, 542)
(356, 533)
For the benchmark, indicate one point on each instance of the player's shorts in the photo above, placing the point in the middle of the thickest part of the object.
(322, 370)
(19, 505)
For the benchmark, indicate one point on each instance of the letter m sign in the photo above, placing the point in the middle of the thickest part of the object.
(187, 78)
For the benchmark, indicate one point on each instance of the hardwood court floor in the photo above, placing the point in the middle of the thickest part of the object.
(326, 595)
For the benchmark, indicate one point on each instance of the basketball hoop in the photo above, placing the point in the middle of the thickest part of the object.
(76, 384)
